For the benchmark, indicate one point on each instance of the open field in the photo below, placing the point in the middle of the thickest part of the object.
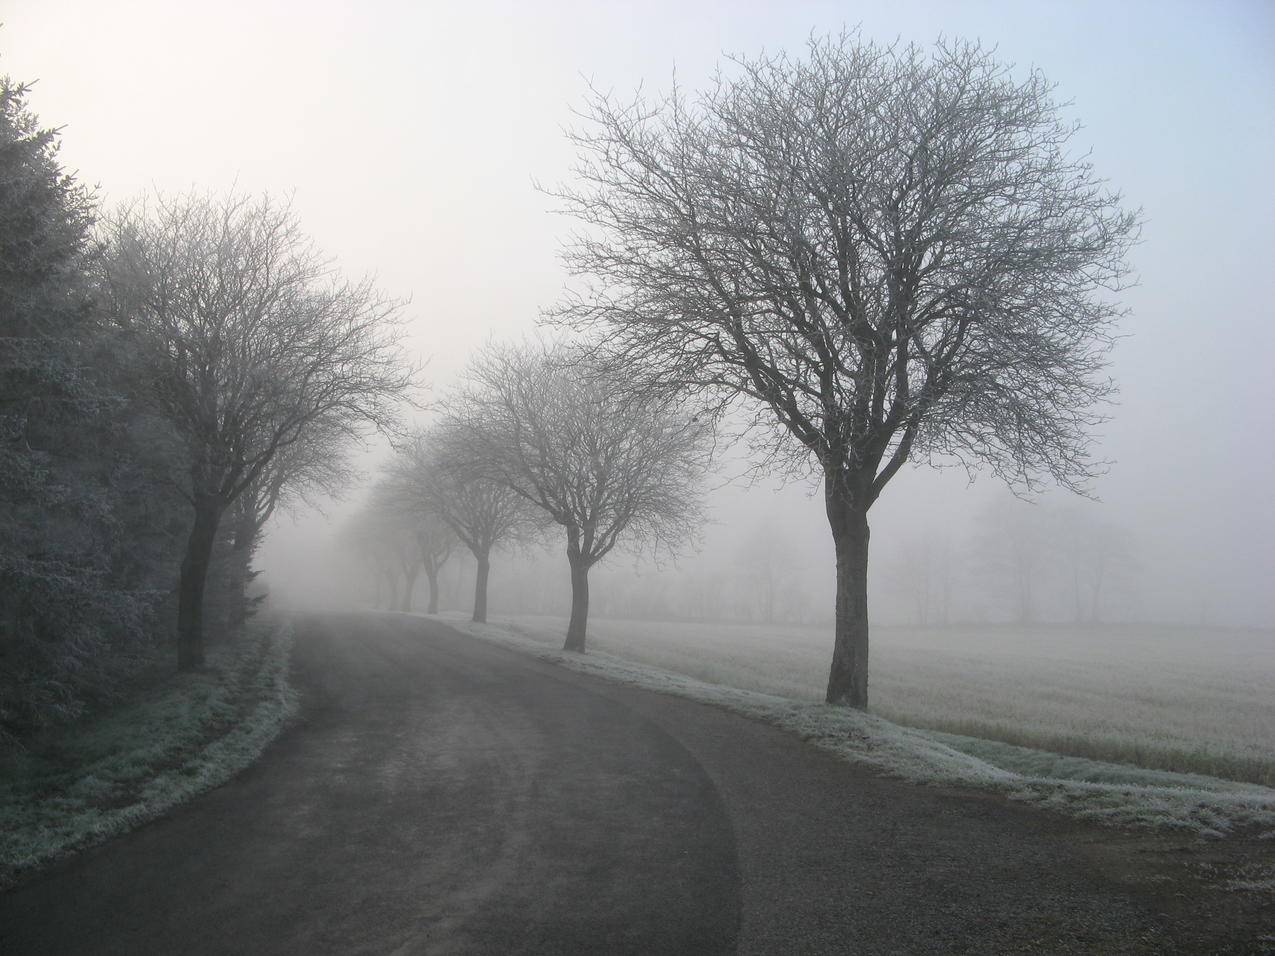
(1187, 700)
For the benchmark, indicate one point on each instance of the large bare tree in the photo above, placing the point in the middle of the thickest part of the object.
(603, 461)
(885, 253)
(248, 340)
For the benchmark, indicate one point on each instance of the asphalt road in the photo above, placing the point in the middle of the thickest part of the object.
(443, 795)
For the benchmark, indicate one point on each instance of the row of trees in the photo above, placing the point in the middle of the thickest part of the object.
(1023, 563)
(873, 254)
(171, 373)
(1052, 562)
(537, 437)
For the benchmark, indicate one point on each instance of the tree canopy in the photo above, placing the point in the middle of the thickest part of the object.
(606, 462)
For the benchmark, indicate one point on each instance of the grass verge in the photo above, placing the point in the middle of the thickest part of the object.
(1197, 761)
(1111, 794)
(93, 780)
(1187, 700)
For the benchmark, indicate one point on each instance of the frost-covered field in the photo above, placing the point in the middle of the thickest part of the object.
(1104, 792)
(1197, 701)
(90, 781)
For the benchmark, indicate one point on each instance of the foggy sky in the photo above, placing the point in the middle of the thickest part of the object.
(410, 136)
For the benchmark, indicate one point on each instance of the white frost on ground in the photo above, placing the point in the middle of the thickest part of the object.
(1107, 793)
(146, 757)
(1187, 700)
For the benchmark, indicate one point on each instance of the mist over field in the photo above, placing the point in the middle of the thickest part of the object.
(1191, 465)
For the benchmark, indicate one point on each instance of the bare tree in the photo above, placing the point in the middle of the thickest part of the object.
(380, 535)
(437, 474)
(767, 554)
(417, 512)
(249, 340)
(315, 467)
(921, 575)
(1096, 553)
(601, 460)
(911, 576)
(1013, 544)
(436, 542)
(884, 253)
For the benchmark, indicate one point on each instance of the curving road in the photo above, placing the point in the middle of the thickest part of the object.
(443, 795)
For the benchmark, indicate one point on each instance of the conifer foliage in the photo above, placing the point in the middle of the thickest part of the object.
(69, 615)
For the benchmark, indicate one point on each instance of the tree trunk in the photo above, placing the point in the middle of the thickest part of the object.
(194, 575)
(848, 677)
(480, 589)
(431, 574)
(579, 605)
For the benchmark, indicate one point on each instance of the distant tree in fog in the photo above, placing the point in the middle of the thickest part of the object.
(435, 541)
(884, 253)
(1098, 556)
(419, 516)
(767, 554)
(439, 475)
(922, 574)
(245, 340)
(1048, 562)
(379, 535)
(315, 467)
(1014, 547)
(603, 461)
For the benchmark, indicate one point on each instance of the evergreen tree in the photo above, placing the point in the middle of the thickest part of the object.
(75, 582)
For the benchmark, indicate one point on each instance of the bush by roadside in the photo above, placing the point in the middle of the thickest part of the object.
(82, 784)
